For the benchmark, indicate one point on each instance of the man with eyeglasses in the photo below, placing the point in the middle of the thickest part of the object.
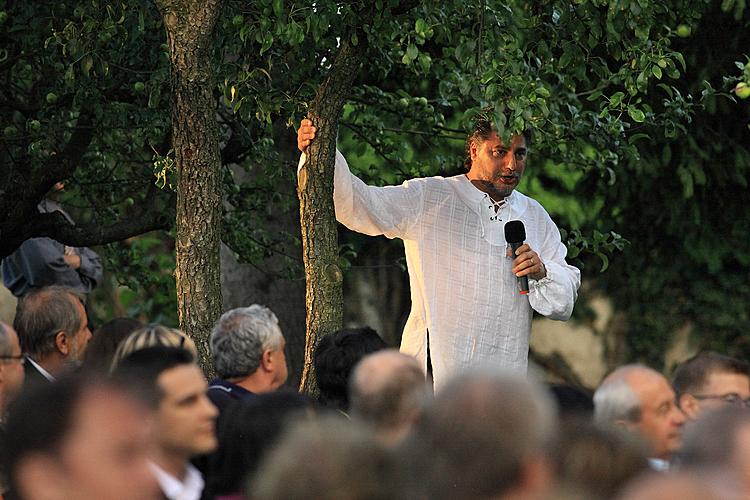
(711, 380)
(11, 367)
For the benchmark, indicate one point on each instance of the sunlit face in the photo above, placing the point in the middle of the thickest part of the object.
(82, 336)
(185, 417)
(661, 419)
(496, 168)
(281, 372)
(11, 369)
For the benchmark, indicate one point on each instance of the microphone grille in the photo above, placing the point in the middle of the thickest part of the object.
(515, 232)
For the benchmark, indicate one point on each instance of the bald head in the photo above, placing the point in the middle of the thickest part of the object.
(641, 400)
(387, 391)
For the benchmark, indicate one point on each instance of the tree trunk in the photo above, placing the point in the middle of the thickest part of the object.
(323, 297)
(195, 140)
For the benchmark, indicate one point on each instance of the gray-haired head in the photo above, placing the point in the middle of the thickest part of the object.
(44, 312)
(239, 338)
(615, 399)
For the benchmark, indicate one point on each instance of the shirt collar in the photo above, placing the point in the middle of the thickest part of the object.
(174, 489)
(41, 370)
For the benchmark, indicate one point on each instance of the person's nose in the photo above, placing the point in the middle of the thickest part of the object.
(511, 163)
(678, 417)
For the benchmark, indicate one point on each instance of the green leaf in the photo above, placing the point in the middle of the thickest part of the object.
(656, 70)
(412, 51)
(278, 9)
(636, 114)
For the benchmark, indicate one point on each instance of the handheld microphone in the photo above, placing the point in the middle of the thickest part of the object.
(515, 234)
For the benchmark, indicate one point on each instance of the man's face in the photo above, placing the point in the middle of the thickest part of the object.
(721, 388)
(12, 368)
(661, 420)
(281, 371)
(106, 453)
(496, 168)
(81, 339)
(185, 418)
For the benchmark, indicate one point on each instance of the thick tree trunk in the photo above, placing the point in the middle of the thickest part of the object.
(195, 140)
(323, 297)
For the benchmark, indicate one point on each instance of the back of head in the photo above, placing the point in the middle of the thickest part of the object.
(239, 338)
(151, 336)
(572, 401)
(42, 313)
(326, 458)
(334, 359)
(104, 343)
(388, 390)
(712, 440)
(478, 419)
(246, 431)
(692, 375)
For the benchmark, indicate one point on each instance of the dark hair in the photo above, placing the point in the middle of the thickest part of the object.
(142, 369)
(246, 430)
(42, 313)
(101, 348)
(483, 128)
(692, 374)
(572, 400)
(335, 357)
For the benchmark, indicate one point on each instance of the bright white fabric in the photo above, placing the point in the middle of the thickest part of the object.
(462, 288)
(190, 488)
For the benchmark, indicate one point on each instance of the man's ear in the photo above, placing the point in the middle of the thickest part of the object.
(689, 405)
(62, 342)
(473, 148)
(266, 360)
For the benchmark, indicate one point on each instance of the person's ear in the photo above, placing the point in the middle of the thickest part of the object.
(689, 405)
(62, 342)
(266, 360)
(473, 149)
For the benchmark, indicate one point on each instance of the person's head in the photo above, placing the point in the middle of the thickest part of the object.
(247, 342)
(246, 431)
(52, 326)
(185, 416)
(496, 167)
(572, 401)
(719, 439)
(640, 400)
(334, 359)
(388, 390)
(79, 438)
(672, 485)
(485, 417)
(328, 457)
(104, 342)
(11, 366)
(710, 380)
(597, 461)
(151, 336)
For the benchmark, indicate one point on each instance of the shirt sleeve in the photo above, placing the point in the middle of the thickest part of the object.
(555, 295)
(41, 262)
(392, 211)
(90, 270)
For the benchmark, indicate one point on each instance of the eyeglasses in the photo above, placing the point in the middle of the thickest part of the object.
(730, 399)
(18, 357)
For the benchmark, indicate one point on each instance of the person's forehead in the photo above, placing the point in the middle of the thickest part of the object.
(182, 381)
(516, 141)
(723, 380)
(652, 388)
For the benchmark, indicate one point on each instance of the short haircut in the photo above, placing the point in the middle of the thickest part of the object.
(143, 367)
(239, 338)
(387, 400)
(334, 359)
(483, 417)
(711, 441)
(43, 415)
(615, 399)
(329, 457)
(42, 313)
(151, 336)
(692, 375)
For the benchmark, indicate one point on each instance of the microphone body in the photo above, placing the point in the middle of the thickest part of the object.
(515, 234)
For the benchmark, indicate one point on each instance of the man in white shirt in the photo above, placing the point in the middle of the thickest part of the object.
(463, 284)
(184, 416)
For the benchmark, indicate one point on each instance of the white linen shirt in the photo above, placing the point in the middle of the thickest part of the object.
(463, 291)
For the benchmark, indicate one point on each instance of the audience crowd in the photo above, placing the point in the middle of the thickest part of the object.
(127, 413)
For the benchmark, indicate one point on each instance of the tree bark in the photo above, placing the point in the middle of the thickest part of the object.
(195, 139)
(323, 296)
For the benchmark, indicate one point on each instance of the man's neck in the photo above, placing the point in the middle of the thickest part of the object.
(255, 383)
(173, 464)
(52, 363)
(497, 195)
